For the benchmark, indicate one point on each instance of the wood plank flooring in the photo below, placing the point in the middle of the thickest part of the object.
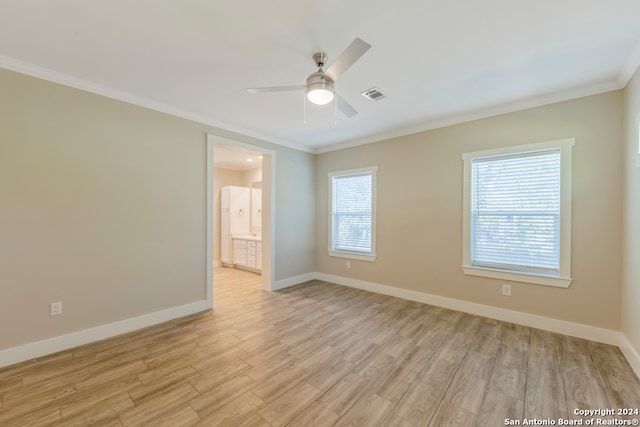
(318, 354)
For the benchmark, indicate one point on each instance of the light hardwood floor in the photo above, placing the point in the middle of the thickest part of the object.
(318, 354)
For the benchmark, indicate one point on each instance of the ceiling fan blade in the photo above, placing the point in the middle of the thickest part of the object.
(345, 108)
(275, 89)
(347, 58)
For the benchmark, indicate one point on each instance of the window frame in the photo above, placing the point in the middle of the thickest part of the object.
(361, 256)
(563, 279)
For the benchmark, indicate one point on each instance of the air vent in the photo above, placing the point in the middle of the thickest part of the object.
(373, 94)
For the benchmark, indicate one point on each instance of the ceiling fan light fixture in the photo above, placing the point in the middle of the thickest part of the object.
(320, 96)
(320, 89)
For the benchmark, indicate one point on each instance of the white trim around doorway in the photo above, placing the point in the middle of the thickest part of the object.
(268, 218)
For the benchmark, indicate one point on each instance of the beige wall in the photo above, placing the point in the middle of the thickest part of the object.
(419, 223)
(296, 214)
(631, 255)
(250, 176)
(103, 207)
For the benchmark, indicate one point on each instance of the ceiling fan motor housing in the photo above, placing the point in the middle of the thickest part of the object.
(320, 59)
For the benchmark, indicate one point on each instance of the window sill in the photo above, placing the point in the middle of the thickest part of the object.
(352, 255)
(558, 282)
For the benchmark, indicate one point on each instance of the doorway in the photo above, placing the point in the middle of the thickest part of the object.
(250, 167)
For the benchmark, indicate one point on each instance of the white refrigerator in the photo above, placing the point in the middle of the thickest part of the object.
(235, 217)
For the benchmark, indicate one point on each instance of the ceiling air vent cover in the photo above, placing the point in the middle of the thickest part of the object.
(373, 94)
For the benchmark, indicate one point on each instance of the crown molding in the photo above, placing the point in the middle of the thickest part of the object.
(53, 76)
(482, 114)
(630, 66)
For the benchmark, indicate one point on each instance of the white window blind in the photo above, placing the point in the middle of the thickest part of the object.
(352, 212)
(515, 212)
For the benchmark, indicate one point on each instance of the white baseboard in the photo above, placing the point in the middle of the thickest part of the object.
(52, 345)
(29, 351)
(593, 333)
(578, 330)
(630, 353)
(291, 281)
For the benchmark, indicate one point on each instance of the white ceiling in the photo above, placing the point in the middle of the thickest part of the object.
(437, 61)
(236, 158)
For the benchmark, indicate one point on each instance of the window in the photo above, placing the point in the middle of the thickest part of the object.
(517, 213)
(352, 217)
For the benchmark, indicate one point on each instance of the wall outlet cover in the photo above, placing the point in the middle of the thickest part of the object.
(506, 290)
(56, 308)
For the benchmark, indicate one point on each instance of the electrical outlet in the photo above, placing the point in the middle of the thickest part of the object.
(506, 290)
(56, 308)
(348, 264)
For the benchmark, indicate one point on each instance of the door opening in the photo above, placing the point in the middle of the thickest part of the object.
(240, 214)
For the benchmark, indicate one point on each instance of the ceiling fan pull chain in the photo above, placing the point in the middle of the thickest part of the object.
(304, 108)
(335, 110)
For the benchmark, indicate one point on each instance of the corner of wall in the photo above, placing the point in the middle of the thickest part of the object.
(632, 355)
(630, 295)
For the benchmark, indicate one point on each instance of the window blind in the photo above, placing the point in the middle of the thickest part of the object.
(515, 212)
(351, 211)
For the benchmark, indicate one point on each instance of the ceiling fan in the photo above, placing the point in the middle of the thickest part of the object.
(320, 87)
